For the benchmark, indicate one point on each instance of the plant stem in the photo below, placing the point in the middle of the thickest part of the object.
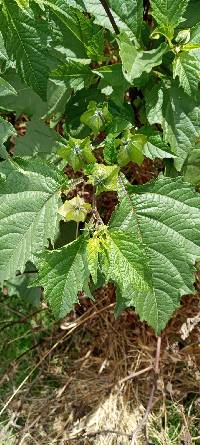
(153, 389)
(135, 374)
(110, 16)
(77, 229)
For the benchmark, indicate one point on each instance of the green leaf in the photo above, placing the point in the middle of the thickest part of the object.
(93, 250)
(77, 152)
(39, 140)
(29, 201)
(6, 131)
(127, 16)
(135, 62)
(104, 178)
(110, 149)
(81, 38)
(187, 68)
(92, 37)
(20, 287)
(126, 265)
(75, 209)
(23, 4)
(155, 147)
(25, 102)
(63, 273)
(191, 169)
(96, 116)
(131, 148)
(130, 13)
(76, 75)
(57, 96)
(179, 116)
(6, 88)
(183, 37)
(168, 14)
(165, 217)
(25, 38)
(192, 14)
(112, 77)
(154, 98)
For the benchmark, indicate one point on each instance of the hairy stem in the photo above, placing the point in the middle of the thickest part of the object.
(110, 16)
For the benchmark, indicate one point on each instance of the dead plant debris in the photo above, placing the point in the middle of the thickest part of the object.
(83, 387)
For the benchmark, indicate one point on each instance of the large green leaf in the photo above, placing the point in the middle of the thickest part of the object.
(155, 147)
(127, 15)
(57, 96)
(38, 140)
(130, 13)
(135, 62)
(187, 68)
(75, 74)
(126, 265)
(168, 14)
(80, 37)
(165, 217)
(25, 38)
(113, 83)
(29, 201)
(6, 131)
(25, 102)
(67, 15)
(179, 116)
(191, 169)
(6, 88)
(63, 273)
(191, 15)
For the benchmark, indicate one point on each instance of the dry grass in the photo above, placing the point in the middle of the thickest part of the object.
(78, 390)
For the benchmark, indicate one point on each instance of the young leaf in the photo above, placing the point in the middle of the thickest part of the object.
(96, 116)
(110, 149)
(23, 3)
(104, 178)
(168, 14)
(135, 62)
(75, 209)
(131, 149)
(78, 153)
(63, 273)
(165, 217)
(187, 68)
(93, 250)
(29, 201)
(6, 130)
